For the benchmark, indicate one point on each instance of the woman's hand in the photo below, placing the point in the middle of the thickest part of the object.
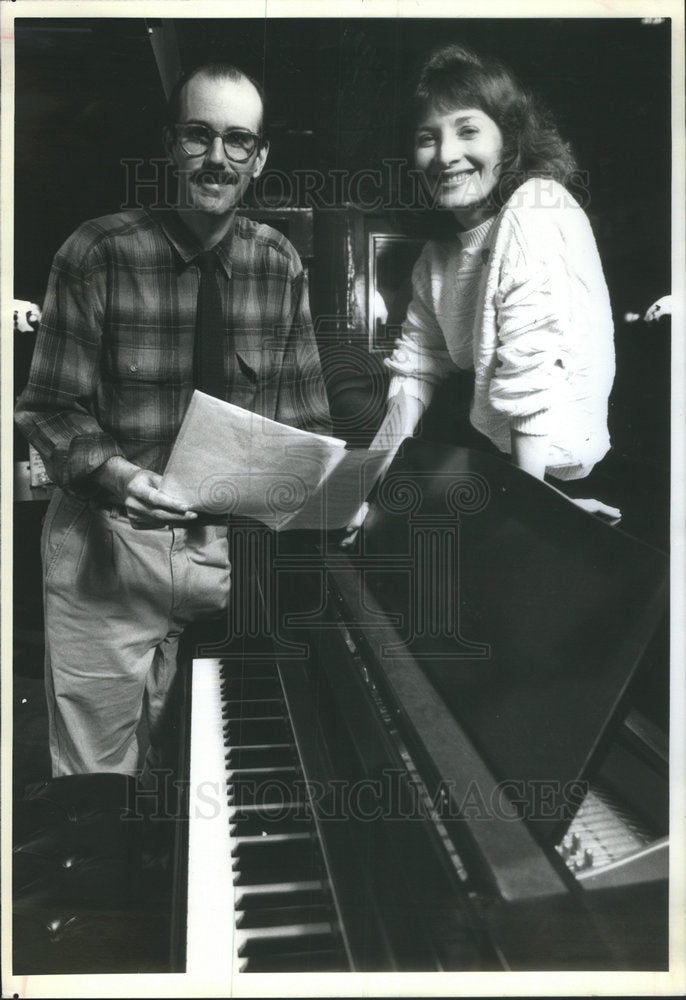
(529, 453)
(612, 515)
(352, 529)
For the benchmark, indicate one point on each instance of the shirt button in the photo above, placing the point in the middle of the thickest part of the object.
(133, 368)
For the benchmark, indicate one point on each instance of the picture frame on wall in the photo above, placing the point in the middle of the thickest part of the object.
(390, 260)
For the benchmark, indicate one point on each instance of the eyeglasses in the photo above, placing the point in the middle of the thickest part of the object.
(239, 144)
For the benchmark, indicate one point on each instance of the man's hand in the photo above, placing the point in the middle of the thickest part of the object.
(138, 491)
(148, 507)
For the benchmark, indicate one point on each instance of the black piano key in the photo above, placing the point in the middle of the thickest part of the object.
(302, 852)
(329, 960)
(253, 825)
(242, 670)
(251, 689)
(239, 841)
(261, 773)
(255, 709)
(273, 803)
(280, 916)
(256, 732)
(250, 789)
(268, 811)
(309, 892)
(275, 755)
(272, 875)
(282, 940)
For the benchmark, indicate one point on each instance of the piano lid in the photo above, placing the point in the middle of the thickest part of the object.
(528, 615)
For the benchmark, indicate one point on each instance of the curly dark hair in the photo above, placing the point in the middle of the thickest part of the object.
(454, 76)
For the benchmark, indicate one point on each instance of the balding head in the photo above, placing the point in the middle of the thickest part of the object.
(211, 71)
(215, 102)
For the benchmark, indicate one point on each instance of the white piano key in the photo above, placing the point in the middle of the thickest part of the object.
(214, 945)
(211, 945)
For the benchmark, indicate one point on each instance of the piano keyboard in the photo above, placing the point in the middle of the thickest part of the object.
(252, 839)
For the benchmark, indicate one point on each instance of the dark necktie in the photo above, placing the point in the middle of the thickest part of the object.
(210, 333)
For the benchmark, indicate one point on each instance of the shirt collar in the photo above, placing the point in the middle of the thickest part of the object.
(185, 242)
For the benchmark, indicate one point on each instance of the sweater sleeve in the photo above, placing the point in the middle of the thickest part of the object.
(420, 359)
(531, 315)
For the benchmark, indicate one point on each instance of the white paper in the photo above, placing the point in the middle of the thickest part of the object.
(227, 460)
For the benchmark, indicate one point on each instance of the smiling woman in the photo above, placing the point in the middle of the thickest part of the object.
(461, 153)
(515, 293)
(480, 100)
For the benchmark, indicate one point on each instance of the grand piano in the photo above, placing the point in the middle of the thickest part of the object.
(428, 753)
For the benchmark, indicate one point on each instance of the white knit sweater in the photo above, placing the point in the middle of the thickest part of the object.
(522, 300)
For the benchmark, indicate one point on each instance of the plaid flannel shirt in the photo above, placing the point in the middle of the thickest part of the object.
(112, 371)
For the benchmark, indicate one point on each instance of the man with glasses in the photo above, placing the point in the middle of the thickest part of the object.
(141, 308)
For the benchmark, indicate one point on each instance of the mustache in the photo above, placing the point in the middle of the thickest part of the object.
(208, 176)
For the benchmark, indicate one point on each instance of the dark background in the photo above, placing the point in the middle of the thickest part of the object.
(88, 94)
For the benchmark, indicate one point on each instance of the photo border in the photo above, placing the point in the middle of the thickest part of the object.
(356, 984)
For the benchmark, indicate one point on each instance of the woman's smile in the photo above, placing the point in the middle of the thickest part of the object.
(459, 152)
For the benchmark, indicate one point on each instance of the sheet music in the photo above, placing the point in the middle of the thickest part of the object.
(227, 460)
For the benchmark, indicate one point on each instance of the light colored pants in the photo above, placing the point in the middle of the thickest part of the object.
(116, 602)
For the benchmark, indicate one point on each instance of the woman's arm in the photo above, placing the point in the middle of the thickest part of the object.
(403, 413)
(420, 359)
(529, 452)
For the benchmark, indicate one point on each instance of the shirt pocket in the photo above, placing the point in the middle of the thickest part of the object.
(138, 364)
(256, 366)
